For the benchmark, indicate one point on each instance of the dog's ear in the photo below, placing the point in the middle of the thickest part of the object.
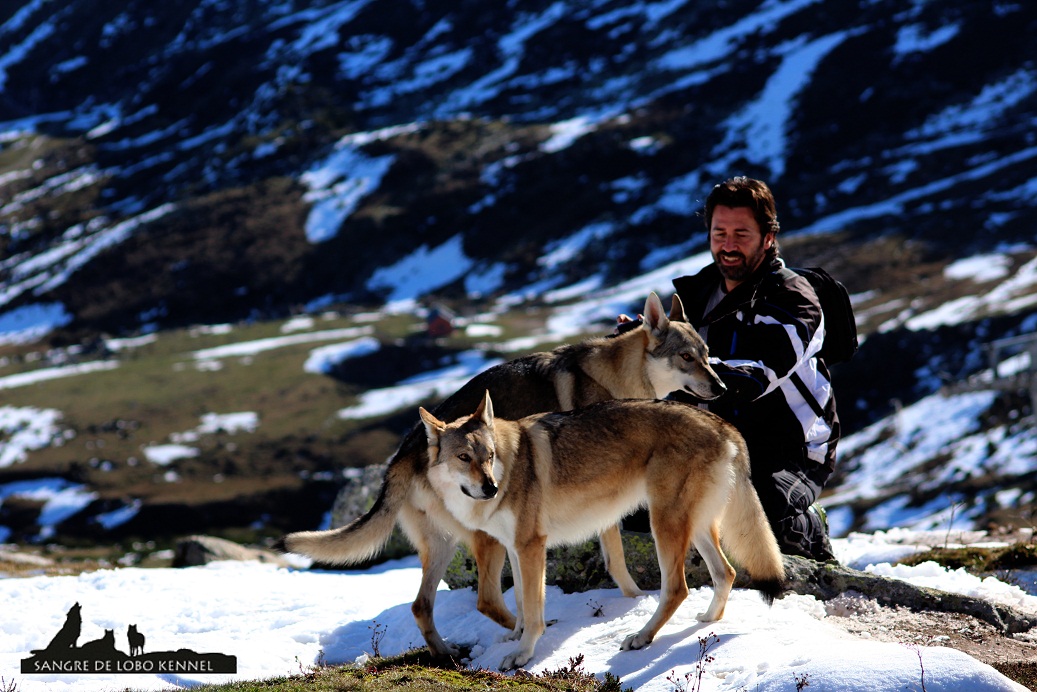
(433, 426)
(677, 310)
(655, 316)
(485, 411)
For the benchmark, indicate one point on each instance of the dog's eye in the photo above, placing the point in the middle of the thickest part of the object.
(465, 457)
(686, 357)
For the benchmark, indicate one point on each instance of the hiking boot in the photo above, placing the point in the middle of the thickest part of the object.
(821, 514)
(823, 552)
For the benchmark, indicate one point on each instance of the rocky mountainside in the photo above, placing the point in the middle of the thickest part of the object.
(173, 163)
(164, 165)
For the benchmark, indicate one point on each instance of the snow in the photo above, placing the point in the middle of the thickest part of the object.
(179, 445)
(229, 423)
(338, 184)
(1013, 295)
(24, 429)
(32, 377)
(252, 348)
(511, 47)
(558, 252)
(14, 54)
(765, 122)
(894, 204)
(419, 389)
(118, 345)
(967, 123)
(165, 454)
(724, 42)
(913, 38)
(322, 360)
(61, 499)
(79, 245)
(563, 134)
(424, 270)
(278, 621)
(979, 268)
(31, 322)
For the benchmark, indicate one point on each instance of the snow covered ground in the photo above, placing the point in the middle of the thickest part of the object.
(278, 621)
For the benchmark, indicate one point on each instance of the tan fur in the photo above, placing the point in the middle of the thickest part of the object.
(663, 355)
(559, 478)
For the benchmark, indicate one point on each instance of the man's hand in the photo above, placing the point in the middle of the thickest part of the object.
(624, 323)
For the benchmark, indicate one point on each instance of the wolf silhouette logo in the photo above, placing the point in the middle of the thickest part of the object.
(136, 641)
(63, 655)
(68, 635)
(105, 646)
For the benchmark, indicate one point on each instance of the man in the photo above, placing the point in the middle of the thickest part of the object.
(763, 325)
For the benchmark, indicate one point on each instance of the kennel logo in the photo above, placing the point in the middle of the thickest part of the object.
(65, 655)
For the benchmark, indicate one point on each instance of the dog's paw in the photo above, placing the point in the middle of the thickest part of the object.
(440, 647)
(513, 636)
(451, 650)
(515, 660)
(706, 617)
(635, 641)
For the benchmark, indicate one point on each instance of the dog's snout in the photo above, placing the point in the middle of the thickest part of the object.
(489, 489)
(718, 388)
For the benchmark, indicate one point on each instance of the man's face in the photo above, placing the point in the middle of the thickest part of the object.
(737, 243)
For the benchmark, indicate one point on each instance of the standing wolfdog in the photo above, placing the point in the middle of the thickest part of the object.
(559, 478)
(664, 355)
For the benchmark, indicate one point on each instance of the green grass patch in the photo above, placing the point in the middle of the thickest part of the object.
(978, 560)
(418, 670)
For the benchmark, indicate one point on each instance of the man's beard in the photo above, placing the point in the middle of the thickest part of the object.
(741, 270)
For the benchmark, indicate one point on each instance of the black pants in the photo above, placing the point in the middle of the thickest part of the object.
(786, 492)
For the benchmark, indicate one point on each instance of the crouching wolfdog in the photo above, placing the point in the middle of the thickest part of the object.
(559, 478)
(664, 355)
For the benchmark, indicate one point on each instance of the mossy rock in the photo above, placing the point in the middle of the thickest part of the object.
(1014, 556)
(978, 560)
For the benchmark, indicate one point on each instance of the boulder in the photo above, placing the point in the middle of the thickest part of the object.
(201, 550)
(354, 500)
(582, 567)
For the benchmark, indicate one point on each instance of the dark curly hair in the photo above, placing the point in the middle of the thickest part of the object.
(745, 192)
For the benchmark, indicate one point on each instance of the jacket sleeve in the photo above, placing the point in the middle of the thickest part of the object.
(779, 333)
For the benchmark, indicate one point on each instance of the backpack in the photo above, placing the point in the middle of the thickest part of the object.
(840, 325)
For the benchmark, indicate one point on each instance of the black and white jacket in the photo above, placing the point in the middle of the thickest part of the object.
(764, 336)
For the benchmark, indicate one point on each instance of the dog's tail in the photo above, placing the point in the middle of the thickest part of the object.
(362, 538)
(747, 536)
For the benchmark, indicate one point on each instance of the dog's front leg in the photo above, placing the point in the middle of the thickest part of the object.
(516, 574)
(532, 565)
(615, 561)
(436, 549)
(489, 561)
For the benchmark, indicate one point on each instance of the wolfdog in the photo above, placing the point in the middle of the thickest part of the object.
(664, 355)
(559, 478)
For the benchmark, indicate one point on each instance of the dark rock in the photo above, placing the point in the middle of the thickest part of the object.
(201, 550)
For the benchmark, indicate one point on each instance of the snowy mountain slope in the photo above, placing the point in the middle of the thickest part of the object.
(507, 130)
(174, 164)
